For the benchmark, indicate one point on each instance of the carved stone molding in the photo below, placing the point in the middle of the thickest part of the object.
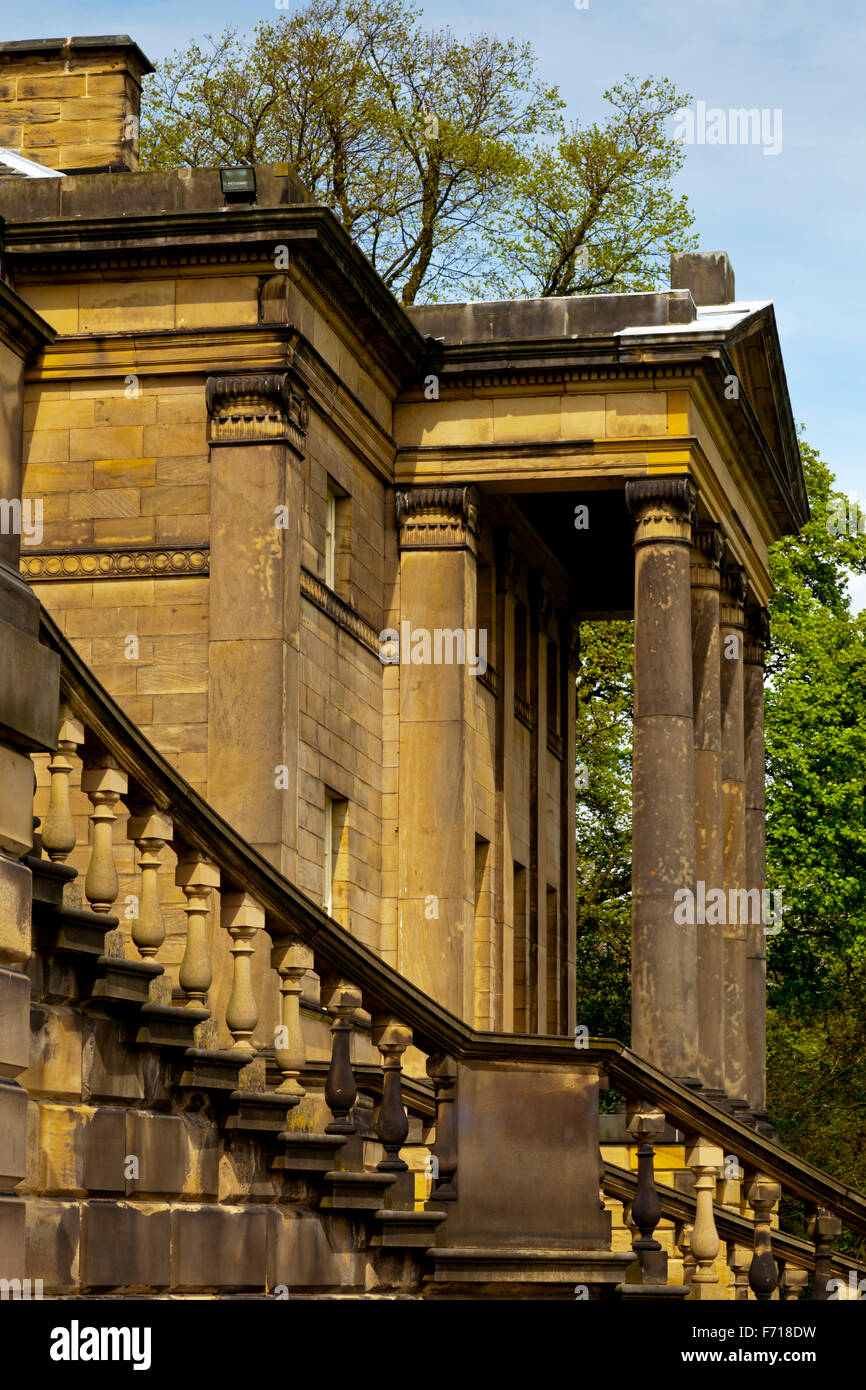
(260, 408)
(735, 589)
(757, 635)
(663, 508)
(438, 518)
(128, 563)
(708, 549)
(339, 612)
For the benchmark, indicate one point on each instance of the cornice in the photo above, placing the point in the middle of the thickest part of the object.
(228, 235)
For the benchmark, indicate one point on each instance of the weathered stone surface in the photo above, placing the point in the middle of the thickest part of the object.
(57, 1148)
(13, 1219)
(15, 888)
(55, 1048)
(105, 1150)
(125, 1246)
(307, 1252)
(14, 1023)
(53, 1238)
(13, 1134)
(110, 1070)
(215, 1247)
(159, 1144)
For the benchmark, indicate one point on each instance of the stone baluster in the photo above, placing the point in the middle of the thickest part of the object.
(443, 1072)
(646, 1123)
(196, 876)
(823, 1228)
(341, 1092)
(104, 783)
(705, 1161)
(792, 1282)
(392, 1039)
(683, 1242)
(150, 831)
(739, 1259)
(58, 828)
(242, 917)
(291, 961)
(762, 1195)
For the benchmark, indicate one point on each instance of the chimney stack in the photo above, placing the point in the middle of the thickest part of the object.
(73, 104)
(708, 274)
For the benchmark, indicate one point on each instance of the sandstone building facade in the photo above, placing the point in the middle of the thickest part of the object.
(272, 515)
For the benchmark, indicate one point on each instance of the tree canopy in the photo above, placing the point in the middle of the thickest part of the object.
(447, 160)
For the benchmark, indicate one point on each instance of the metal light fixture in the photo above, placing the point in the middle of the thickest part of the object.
(238, 184)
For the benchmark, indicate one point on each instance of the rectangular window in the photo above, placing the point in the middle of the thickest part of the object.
(338, 540)
(330, 538)
(335, 858)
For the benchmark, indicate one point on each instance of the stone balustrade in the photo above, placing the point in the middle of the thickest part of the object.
(481, 1110)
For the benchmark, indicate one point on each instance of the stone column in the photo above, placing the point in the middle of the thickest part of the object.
(664, 953)
(731, 631)
(438, 529)
(257, 438)
(709, 860)
(29, 709)
(512, 960)
(570, 649)
(757, 640)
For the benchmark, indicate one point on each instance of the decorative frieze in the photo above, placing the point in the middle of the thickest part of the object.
(438, 518)
(265, 407)
(129, 563)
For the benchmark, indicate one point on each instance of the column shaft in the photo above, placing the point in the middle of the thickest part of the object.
(709, 858)
(734, 832)
(664, 952)
(756, 856)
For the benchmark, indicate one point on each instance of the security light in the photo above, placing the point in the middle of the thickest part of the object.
(238, 184)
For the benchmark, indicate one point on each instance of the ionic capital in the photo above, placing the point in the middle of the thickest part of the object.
(663, 509)
(438, 518)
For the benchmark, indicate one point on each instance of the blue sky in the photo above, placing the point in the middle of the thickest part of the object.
(792, 223)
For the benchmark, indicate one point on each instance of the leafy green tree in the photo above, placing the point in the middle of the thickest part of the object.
(597, 213)
(411, 136)
(446, 160)
(603, 795)
(816, 838)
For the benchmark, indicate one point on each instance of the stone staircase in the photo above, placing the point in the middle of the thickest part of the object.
(281, 1114)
